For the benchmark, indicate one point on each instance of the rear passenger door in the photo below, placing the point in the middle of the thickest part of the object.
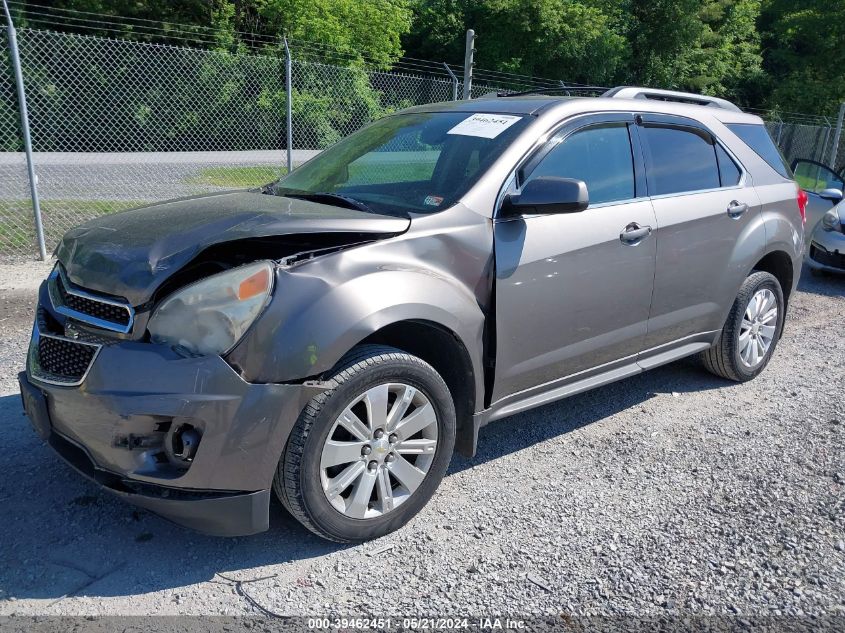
(705, 210)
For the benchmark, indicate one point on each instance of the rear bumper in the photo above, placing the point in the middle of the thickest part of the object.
(115, 426)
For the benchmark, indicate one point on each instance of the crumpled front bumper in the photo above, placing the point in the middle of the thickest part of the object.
(114, 425)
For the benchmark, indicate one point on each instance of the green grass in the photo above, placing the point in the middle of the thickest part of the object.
(237, 177)
(372, 171)
(17, 232)
(14, 237)
(805, 182)
(390, 172)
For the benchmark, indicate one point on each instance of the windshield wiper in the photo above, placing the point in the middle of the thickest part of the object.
(327, 197)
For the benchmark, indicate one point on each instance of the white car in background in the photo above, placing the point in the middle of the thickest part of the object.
(825, 228)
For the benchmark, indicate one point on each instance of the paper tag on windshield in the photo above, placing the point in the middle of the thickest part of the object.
(484, 125)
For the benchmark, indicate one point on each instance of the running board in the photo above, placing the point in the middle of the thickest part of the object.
(591, 382)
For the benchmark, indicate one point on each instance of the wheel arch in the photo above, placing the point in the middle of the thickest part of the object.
(444, 350)
(312, 323)
(779, 264)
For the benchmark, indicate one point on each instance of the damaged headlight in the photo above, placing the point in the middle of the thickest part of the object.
(211, 315)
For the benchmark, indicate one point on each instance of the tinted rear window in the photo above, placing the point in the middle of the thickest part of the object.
(681, 160)
(757, 138)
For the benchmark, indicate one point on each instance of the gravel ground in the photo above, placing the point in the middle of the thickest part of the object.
(670, 493)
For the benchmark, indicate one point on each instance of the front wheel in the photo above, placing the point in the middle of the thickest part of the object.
(751, 331)
(365, 456)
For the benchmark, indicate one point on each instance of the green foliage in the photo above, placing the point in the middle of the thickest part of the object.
(359, 29)
(324, 117)
(573, 40)
(9, 135)
(767, 53)
(805, 59)
(356, 30)
(237, 177)
(544, 37)
(179, 19)
(709, 46)
(132, 103)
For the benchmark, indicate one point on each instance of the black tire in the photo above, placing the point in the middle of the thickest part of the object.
(297, 482)
(723, 358)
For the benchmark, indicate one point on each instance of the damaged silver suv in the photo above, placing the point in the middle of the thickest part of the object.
(334, 336)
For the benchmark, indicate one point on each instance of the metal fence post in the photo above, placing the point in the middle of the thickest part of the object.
(289, 103)
(469, 62)
(826, 139)
(454, 82)
(837, 135)
(27, 141)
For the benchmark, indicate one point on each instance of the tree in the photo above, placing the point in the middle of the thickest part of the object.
(804, 54)
(345, 30)
(360, 30)
(709, 46)
(210, 20)
(566, 39)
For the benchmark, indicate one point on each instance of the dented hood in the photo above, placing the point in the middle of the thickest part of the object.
(129, 254)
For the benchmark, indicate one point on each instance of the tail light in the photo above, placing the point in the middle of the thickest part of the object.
(803, 199)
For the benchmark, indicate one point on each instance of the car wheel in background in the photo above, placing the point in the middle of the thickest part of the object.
(366, 455)
(751, 331)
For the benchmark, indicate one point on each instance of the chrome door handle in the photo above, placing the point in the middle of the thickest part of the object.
(736, 209)
(634, 234)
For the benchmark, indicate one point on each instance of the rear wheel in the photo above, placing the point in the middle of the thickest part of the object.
(367, 455)
(751, 331)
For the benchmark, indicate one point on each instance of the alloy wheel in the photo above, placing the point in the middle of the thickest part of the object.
(379, 450)
(757, 330)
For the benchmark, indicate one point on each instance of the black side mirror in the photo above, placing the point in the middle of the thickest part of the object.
(548, 194)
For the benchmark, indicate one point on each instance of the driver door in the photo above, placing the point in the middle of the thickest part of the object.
(573, 292)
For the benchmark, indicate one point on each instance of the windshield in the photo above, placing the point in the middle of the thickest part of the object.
(419, 163)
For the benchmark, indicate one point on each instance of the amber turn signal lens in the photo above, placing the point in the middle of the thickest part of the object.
(254, 285)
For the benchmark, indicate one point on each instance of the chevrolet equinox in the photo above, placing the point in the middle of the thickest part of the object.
(333, 336)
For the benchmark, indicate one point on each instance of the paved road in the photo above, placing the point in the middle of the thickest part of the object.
(127, 176)
(76, 187)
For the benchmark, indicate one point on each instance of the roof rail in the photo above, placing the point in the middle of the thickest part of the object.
(634, 92)
(548, 89)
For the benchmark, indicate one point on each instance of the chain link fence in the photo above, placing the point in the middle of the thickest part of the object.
(17, 228)
(116, 124)
(811, 140)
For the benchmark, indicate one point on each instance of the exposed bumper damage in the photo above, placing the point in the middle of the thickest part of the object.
(124, 428)
(197, 439)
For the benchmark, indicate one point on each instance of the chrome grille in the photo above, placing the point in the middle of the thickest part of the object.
(105, 311)
(86, 307)
(59, 360)
(66, 358)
